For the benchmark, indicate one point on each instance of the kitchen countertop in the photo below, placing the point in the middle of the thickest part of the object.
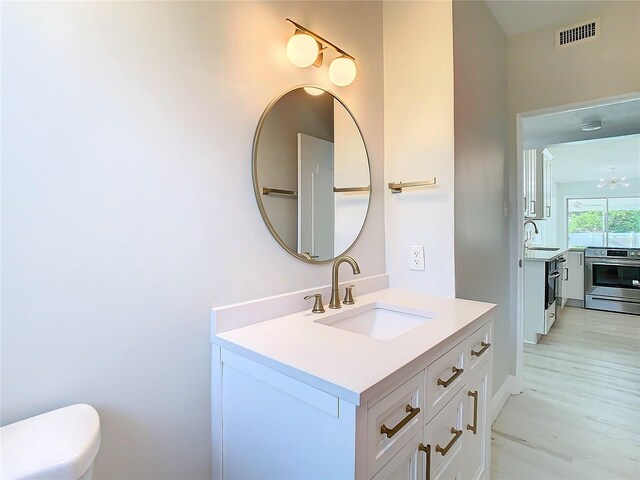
(343, 363)
(543, 255)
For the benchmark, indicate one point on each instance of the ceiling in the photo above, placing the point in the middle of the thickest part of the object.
(589, 161)
(620, 117)
(521, 16)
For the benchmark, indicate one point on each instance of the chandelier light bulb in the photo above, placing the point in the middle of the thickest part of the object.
(342, 71)
(302, 50)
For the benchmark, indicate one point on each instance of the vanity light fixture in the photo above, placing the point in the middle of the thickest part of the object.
(592, 126)
(306, 48)
(313, 91)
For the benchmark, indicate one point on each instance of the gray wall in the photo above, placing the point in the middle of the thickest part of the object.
(481, 229)
(128, 209)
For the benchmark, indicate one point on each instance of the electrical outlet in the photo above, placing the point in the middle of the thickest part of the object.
(416, 257)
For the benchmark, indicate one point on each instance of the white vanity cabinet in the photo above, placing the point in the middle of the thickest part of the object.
(428, 419)
(295, 397)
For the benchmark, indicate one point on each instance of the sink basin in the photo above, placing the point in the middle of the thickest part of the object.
(545, 249)
(379, 322)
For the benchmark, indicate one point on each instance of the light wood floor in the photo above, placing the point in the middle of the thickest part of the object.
(579, 414)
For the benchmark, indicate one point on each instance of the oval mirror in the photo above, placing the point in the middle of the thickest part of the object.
(311, 173)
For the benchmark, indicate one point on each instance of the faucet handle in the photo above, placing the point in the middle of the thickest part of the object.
(317, 305)
(348, 296)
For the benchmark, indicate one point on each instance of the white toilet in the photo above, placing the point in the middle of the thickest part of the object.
(57, 445)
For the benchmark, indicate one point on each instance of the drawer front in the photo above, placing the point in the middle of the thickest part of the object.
(443, 435)
(445, 377)
(408, 464)
(393, 421)
(478, 347)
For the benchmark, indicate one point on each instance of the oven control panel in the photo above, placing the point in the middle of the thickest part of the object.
(600, 252)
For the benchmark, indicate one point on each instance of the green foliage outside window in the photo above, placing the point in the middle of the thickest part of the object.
(620, 221)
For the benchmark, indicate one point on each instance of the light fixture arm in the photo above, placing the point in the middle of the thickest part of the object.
(320, 39)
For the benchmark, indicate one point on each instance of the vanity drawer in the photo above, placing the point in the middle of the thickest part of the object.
(393, 421)
(443, 434)
(445, 377)
(478, 347)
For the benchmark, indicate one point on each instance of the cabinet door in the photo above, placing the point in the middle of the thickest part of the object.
(529, 181)
(407, 464)
(477, 438)
(575, 281)
(547, 186)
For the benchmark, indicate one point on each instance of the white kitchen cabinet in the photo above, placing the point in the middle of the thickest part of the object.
(413, 424)
(537, 182)
(536, 319)
(529, 180)
(574, 278)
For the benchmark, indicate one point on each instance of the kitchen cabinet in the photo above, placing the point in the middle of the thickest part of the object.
(537, 319)
(538, 184)
(573, 275)
(427, 419)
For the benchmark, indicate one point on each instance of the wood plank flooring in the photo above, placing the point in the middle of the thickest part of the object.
(579, 415)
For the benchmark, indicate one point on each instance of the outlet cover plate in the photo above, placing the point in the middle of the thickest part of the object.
(416, 257)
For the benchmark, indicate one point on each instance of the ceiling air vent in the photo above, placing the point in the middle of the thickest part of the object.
(578, 34)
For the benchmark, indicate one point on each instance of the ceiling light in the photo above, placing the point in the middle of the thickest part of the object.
(592, 126)
(306, 48)
(613, 182)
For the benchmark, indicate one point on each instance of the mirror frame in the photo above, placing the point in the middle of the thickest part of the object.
(256, 188)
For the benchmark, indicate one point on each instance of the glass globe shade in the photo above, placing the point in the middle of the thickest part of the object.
(302, 50)
(342, 71)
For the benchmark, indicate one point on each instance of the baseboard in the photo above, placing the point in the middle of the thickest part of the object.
(575, 303)
(501, 396)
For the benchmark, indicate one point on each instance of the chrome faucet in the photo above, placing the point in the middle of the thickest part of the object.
(335, 294)
(528, 221)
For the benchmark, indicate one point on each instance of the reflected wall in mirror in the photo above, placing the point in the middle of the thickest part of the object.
(311, 174)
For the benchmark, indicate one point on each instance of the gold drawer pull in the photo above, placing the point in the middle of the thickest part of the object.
(445, 450)
(426, 450)
(390, 432)
(484, 346)
(456, 373)
(475, 412)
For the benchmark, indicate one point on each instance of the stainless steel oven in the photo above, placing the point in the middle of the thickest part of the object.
(612, 279)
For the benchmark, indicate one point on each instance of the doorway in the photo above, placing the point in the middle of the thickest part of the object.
(619, 117)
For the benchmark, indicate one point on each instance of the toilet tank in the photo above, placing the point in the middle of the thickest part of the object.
(61, 444)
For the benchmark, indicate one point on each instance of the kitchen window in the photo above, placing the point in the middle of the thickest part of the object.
(603, 222)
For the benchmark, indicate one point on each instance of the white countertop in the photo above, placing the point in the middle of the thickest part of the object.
(343, 363)
(542, 255)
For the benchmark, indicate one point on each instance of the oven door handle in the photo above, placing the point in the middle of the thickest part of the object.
(624, 262)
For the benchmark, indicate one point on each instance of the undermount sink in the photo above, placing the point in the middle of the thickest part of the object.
(545, 249)
(379, 322)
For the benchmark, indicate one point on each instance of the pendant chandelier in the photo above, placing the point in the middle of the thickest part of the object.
(613, 182)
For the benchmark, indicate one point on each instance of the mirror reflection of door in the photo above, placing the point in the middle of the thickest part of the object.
(315, 197)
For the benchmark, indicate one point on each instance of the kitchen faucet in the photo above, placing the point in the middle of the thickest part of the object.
(335, 294)
(528, 221)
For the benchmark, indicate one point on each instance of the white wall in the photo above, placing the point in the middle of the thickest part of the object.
(128, 209)
(541, 77)
(418, 134)
(481, 229)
